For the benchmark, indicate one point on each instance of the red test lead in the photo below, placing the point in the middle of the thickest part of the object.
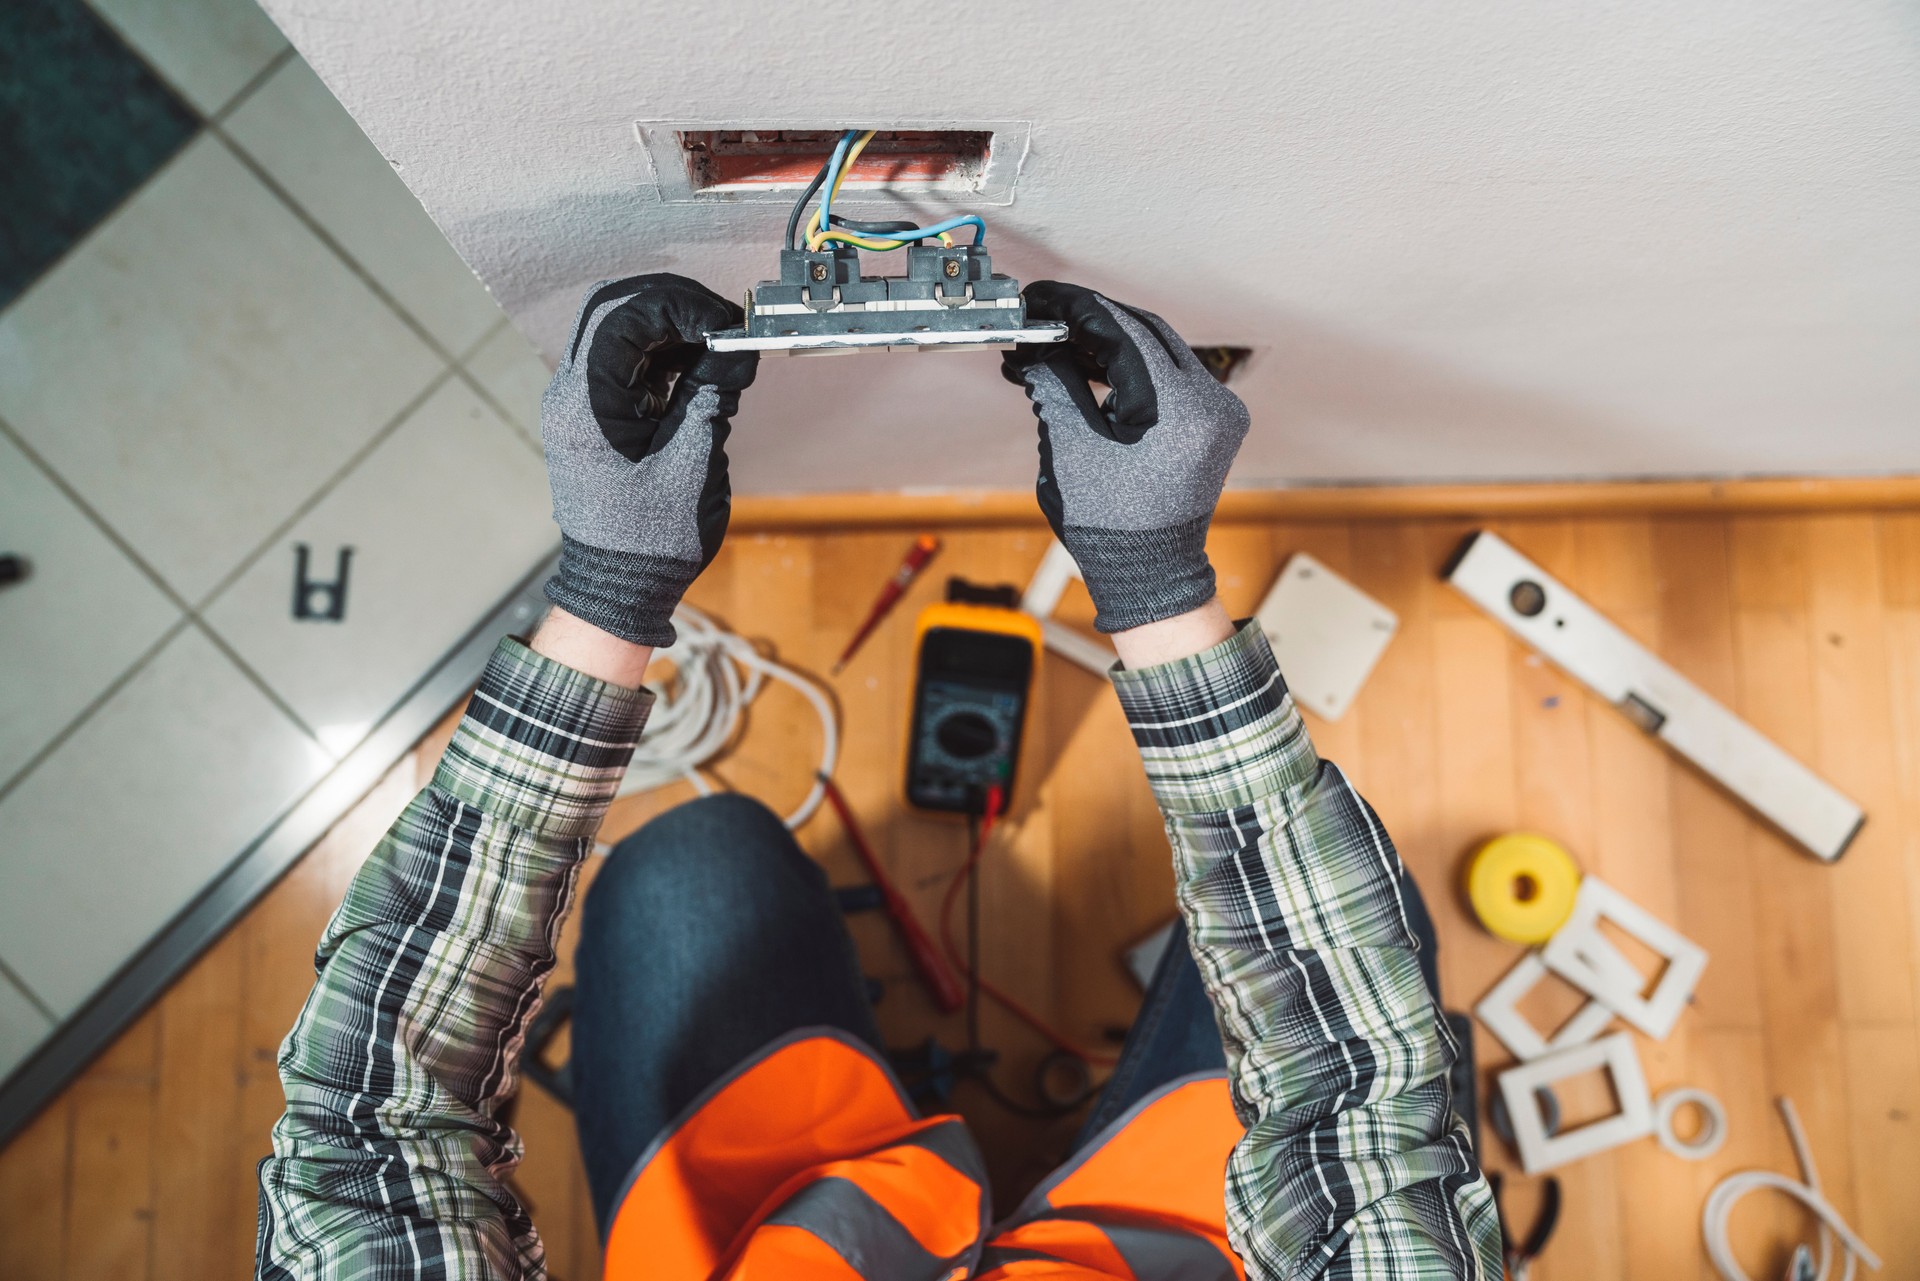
(941, 983)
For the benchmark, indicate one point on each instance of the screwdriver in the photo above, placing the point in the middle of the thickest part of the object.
(918, 555)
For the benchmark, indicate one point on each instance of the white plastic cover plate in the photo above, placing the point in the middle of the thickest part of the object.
(1326, 632)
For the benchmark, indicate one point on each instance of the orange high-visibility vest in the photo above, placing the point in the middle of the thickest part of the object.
(808, 1164)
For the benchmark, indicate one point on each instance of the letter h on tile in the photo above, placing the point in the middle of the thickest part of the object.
(333, 593)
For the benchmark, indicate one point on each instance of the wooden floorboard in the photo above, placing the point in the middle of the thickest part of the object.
(1807, 623)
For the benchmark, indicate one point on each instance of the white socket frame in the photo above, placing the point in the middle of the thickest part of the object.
(1499, 1011)
(1580, 954)
(1520, 1088)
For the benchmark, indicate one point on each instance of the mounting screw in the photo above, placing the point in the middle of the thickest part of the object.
(819, 271)
(952, 269)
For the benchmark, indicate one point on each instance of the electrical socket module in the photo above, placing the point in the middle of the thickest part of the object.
(950, 298)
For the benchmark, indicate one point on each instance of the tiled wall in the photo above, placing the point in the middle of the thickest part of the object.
(229, 331)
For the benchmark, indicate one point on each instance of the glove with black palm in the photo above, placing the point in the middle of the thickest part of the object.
(635, 425)
(1129, 483)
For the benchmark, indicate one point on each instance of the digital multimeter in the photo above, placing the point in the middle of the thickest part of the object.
(975, 657)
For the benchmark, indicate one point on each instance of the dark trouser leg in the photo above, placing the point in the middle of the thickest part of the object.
(1174, 1034)
(1421, 923)
(708, 934)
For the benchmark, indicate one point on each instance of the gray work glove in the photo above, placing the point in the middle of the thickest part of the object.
(635, 424)
(1128, 484)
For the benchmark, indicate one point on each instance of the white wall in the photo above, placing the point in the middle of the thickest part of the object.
(1496, 238)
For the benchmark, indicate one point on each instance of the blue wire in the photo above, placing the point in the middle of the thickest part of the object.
(833, 176)
(928, 233)
(918, 233)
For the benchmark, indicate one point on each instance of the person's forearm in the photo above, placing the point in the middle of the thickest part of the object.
(430, 971)
(585, 648)
(1181, 636)
(1289, 886)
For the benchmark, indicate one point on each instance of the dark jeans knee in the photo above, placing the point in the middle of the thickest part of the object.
(707, 934)
(719, 861)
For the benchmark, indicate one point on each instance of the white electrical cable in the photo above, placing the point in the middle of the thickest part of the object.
(700, 711)
(1720, 1202)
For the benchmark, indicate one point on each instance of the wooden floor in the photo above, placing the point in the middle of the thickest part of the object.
(1810, 626)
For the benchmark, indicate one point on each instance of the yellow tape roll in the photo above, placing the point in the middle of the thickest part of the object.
(1522, 886)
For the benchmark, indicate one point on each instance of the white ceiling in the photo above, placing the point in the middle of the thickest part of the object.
(1488, 239)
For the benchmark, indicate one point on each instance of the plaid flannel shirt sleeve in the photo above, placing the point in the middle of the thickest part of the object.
(391, 1160)
(1353, 1164)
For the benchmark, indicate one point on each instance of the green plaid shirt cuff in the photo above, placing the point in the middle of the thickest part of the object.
(542, 746)
(1216, 730)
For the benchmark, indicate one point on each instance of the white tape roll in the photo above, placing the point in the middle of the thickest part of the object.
(1713, 1123)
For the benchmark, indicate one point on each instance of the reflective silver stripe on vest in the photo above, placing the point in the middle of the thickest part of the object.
(860, 1230)
(953, 1143)
(1163, 1254)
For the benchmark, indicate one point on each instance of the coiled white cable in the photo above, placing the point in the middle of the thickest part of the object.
(717, 673)
(1720, 1202)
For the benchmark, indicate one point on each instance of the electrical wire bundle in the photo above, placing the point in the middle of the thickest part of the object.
(700, 711)
(1720, 1202)
(823, 228)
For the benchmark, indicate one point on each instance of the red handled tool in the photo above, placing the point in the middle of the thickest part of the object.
(941, 983)
(922, 551)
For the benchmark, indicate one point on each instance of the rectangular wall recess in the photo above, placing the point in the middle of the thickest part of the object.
(702, 161)
(905, 159)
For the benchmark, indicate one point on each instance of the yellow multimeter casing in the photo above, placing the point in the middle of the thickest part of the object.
(974, 665)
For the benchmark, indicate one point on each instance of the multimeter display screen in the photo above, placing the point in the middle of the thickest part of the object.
(983, 656)
(969, 709)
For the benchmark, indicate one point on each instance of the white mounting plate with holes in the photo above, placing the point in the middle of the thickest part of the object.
(1057, 569)
(666, 160)
(1521, 1086)
(1541, 611)
(1579, 953)
(1326, 633)
(1499, 1010)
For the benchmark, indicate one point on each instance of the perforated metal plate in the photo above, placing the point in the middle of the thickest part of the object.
(803, 344)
